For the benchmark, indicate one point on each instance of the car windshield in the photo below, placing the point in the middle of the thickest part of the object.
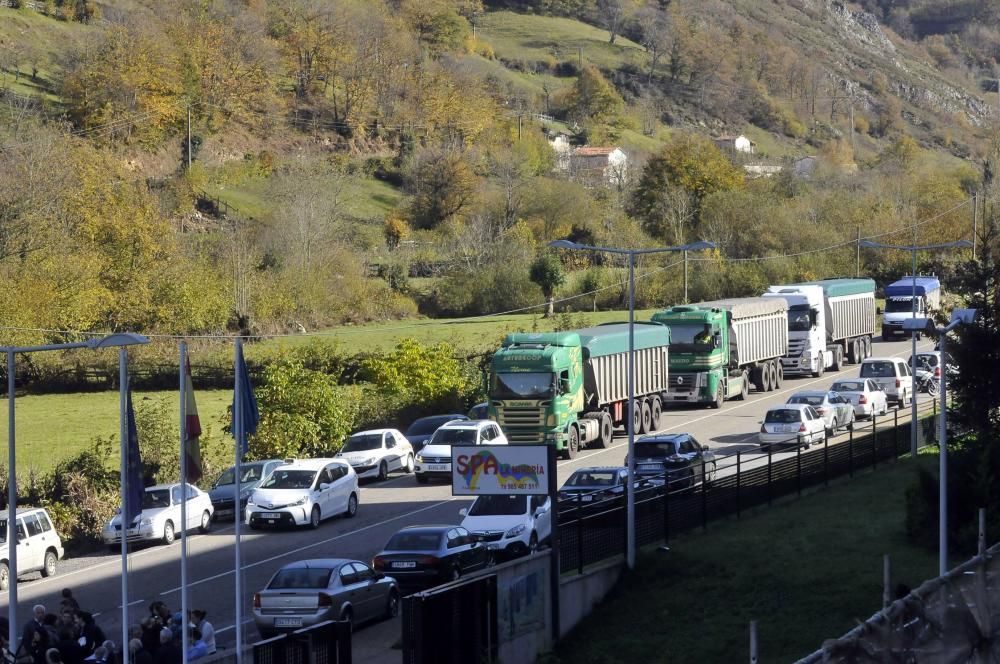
(410, 541)
(363, 443)
(848, 386)
(289, 479)
(301, 577)
(799, 318)
(655, 448)
(877, 370)
(522, 385)
(782, 416)
(428, 425)
(498, 505)
(805, 398)
(156, 499)
(898, 305)
(249, 473)
(454, 437)
(592, 478)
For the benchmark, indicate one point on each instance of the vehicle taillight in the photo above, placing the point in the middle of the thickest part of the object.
(937, 372)
(378, 562)
(897, 382)
(428, 560)
(256, 600)
(802, 427)
(862, 399)
(763, 429)
(324, 600)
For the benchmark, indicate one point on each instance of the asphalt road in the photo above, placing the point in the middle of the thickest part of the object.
(155, 571)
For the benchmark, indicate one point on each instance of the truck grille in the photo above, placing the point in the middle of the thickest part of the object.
(521, 417)
(681, 382)
(525, 436)
(795, 347)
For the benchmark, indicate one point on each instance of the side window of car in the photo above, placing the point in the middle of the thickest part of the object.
(175, 495)
(191, 492)
(348, 575)
(902, 369)
(453, 538)
(686, 447)
(34, 528)
(363, 572)
(20, 530)
(43, 519)
(390, 440)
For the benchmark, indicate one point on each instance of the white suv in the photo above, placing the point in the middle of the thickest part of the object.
(377, 452)
(38, 544)
(434, 459)
(893, 376)
(509, 525)
(304, 492)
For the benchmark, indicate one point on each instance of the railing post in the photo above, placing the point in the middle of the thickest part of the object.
(769, 453)
(886, 581)
(982, 531)
(753, 642)
(826, 462)
(798, 469)
(874, 452)
(704, 497)
(579, 532)
(739, 505)
(895, 426)
(850, 455)
(666, 514)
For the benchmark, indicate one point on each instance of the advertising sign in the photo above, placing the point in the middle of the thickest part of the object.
(500, 469)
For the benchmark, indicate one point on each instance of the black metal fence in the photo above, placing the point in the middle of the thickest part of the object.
(326, 643)
(592, 527)
(452, 624)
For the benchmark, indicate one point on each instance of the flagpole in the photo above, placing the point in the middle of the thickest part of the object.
(123, 427)
(183, 527)
(238, 428)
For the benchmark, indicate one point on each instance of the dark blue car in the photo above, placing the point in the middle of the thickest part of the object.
(420, 431)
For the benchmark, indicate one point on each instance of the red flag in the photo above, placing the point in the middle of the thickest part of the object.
(192, 447)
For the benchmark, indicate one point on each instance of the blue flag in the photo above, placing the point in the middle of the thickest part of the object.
(249, 414)
(133, 469)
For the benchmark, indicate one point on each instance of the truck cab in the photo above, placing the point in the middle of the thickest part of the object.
(699, 352)
(807, 348)
(899, 302)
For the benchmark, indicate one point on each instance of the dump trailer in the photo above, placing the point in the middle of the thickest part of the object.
(719, 348)
(830, 322)
(899, 303)
(570, 389)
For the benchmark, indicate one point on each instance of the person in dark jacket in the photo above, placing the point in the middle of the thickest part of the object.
(169, 652)
(92, 635)
(68, 646)
(138, 653)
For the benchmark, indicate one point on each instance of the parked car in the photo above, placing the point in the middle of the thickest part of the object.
(676, 457)
(435, 459)
(595, 484)
(792, 424)
(38, 545)
(837, 411)
(931, 361)
(893, 376)
(864, 394)
(421, 430)
(480, 411)
(304, 492)
(160, 518)
(377, 452)
(422, 556)
(308, 592)
(510, 526)
(252, 474)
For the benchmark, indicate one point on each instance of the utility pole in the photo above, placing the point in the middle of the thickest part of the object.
(579, 60)
(685, 276)
(858, 273)
(975, 222)
(853, 148)
(518, 127)
(189, 137)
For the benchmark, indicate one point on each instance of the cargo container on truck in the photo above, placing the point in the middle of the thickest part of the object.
(899, 303)
(830, 322)
(719, 348)
(570, 389)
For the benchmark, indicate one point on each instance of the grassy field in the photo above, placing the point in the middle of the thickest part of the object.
(806, 570)
(464, 333)
(53, 427)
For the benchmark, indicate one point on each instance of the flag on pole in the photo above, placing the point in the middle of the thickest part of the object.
(133, 469)
(248, 413)
(192, 447)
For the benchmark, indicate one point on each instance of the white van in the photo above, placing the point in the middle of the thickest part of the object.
(893, 376)
(38, 544)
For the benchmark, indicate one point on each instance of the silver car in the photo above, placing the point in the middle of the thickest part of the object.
(309, 592)
(837, 411)
(865, 395)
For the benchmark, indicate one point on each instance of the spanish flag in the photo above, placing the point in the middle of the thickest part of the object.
(192, 447)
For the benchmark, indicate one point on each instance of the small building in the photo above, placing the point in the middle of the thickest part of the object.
(609, 163)
(738, 143)
(561, 146)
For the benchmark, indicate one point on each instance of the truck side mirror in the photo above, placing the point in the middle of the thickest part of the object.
(717, 340)
(878, 311)
(564, 386)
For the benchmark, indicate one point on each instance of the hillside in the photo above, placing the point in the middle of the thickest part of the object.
(381, 160)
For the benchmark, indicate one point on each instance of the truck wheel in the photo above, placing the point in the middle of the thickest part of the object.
(779, 375)
(636, 416)
(647, 417)
(838, 358)
(572, 443)
(655, 411)
(719, 397)
(765, 377)
(757, 378)
(853, 354)
(868, 347)
(773, 371)
(607, 429)
(744, 388)
(819, 369)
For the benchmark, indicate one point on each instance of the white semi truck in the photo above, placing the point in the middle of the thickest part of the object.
(830, 322)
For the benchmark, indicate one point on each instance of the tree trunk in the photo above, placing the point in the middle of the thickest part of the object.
(550, 309)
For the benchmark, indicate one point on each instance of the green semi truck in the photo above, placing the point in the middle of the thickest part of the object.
(720, 348)
(570, 389)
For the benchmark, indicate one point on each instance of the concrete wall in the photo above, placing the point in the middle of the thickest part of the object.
(579, 594)
(524, 608)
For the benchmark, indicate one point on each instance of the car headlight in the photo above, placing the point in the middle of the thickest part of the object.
(146, 522)
(515, 531)
(420, 458)
(301, 501)
(370, 461)
(250, 498)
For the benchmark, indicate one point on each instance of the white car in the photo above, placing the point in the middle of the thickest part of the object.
(837, 411)
(509, 525)
(160, 518)
(378, 452)
(304, 492)
(792, 424)
(38, 544)
(864, 394)
(893, 376)
(434, 460)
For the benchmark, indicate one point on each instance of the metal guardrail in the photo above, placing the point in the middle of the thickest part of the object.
(325, 643)
(593, 530)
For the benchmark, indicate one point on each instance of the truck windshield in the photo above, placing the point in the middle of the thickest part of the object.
(695, 336)
(898, 305)
(800, 318)
(522, 386)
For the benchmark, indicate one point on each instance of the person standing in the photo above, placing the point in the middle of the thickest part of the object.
(169, 652)
(138, 653)
(199, 619)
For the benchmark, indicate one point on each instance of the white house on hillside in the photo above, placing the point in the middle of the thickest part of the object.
(609, 163)
(738, 143)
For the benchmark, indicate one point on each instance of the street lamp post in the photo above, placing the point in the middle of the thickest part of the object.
(700, 245)
(117, 340)
(913, 249)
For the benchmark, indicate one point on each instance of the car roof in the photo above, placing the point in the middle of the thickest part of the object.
(426, 529)
(318, 562)
(20, 511)
(664, 437)
(451, 416)
(591, 469)
(880, 359)
(790, 406)
(370, 432)
(167, 486)
(811, 393)
(310, 464)
(466, 424)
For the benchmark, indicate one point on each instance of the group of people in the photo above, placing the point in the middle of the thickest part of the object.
(71, 636)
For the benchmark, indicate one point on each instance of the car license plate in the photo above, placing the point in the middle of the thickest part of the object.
(226, 512)
(437, 466)
(404, 564)
(586, 499)
(270, 515)
(288, 622)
